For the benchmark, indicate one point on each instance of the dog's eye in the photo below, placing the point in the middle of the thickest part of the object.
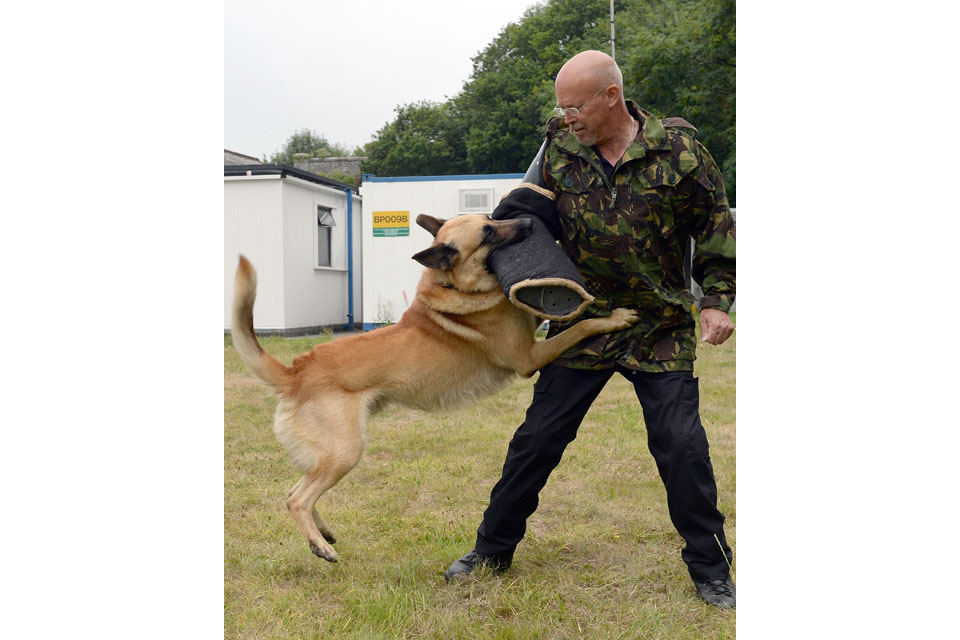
(489, 234)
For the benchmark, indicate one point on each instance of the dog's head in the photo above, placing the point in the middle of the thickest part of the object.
(462, 247)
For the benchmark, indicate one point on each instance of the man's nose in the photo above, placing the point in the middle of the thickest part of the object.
(569, 118)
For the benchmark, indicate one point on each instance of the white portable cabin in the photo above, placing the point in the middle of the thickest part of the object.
(391, 235)
(301, 232)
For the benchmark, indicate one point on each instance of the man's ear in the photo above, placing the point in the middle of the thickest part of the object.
(439, 256)
(430, 223)
(612, 94)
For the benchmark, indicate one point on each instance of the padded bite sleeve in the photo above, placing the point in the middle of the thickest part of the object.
(537, 276)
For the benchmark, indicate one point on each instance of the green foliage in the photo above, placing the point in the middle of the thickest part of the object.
(678, 58)
(425, 138)
(313, 144)
(340, 176)
(510, 93)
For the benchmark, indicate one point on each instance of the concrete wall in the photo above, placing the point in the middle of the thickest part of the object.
(346, 165)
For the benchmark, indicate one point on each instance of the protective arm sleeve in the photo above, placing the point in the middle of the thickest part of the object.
(535, 274)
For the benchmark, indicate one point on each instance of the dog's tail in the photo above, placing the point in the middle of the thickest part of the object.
(261, 363)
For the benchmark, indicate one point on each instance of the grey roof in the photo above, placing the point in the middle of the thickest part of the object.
(284, 170)
(232, 158)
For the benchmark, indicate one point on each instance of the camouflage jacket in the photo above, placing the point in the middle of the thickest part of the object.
(628, 237)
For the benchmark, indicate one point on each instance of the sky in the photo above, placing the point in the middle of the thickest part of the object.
(340, 68)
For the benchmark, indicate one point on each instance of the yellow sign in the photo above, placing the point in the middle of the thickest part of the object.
(391, 223)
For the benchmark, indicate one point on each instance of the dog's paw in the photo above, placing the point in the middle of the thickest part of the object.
(623, 318)
(329, 554)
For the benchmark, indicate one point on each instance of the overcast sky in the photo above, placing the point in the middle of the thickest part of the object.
(339, 68)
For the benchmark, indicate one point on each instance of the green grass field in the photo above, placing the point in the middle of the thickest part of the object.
(601, 559)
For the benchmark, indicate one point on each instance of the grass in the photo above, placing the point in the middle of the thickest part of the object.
(601, 558)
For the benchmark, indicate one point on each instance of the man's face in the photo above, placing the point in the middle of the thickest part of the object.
(588, 125)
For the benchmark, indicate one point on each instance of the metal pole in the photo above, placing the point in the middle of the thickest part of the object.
(351, 323)
(613, 53)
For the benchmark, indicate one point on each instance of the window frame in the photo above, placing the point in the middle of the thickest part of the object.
(319, 231)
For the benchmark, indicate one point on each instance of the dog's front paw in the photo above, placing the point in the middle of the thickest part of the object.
(623, 318)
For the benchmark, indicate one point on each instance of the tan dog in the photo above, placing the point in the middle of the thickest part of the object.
(461, 339)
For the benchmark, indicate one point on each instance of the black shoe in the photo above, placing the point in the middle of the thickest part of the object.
(719, 593)
(469, 562)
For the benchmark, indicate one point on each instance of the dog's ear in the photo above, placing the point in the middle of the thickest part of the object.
(439, 256)
(430, 223)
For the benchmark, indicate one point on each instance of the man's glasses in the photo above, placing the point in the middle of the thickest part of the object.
(575, 111)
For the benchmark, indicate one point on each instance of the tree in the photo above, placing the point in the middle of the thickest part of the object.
(678, 58)
(310, 143)
(425, 138)
(510, 92)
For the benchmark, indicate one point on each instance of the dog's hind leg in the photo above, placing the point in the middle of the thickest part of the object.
(301, 503)
(335, 455)
(317, 520)
(324, 529)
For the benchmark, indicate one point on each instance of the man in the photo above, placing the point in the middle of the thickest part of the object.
(623, 192)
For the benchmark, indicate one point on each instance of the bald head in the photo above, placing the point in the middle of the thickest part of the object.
(590, 69)
(589, 90)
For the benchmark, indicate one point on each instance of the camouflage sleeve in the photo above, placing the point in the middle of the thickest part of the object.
(532, 197)
(715, 257)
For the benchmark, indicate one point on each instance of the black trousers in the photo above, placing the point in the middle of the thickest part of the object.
(675, 436)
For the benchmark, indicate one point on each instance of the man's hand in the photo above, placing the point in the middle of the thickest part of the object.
(715, 326)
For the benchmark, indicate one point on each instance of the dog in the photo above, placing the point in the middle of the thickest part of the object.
(460, 340)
